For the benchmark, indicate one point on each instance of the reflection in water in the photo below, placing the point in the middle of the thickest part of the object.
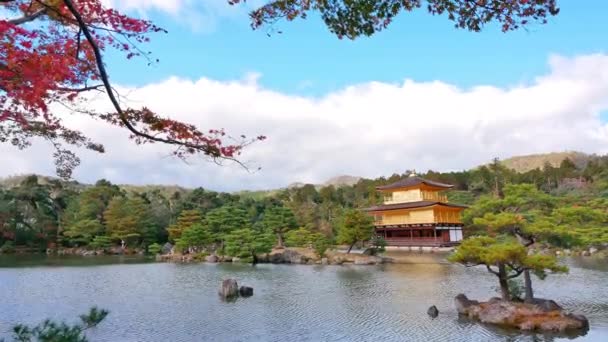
(169, 302)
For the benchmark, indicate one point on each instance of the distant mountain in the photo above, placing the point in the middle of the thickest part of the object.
(167, 190)
(13, 181)
(518, 163)
(344, 180)
(338, 181)
(533, 161)
(296, 185)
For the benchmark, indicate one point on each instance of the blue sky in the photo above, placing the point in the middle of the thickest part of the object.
(306, 59)
(420, 95)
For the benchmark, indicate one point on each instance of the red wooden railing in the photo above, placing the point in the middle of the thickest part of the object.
(424, 242)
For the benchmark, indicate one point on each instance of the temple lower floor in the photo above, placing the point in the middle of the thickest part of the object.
(421, 235)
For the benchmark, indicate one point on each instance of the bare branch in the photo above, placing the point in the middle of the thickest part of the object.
(491, 270)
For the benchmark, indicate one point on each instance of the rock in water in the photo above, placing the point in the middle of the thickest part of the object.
(432, 311)
(229, 289)
(544, 315)
(462, 303)
(246, 291)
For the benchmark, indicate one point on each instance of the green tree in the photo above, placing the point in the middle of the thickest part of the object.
(320, 244)
(300, 237)
(356, 227)
(185, 220)
(512, 214)
(247, 243)
(29, 213)
(225, 220)
(279, 220)
(83, 231)
(128, 220)
(194, 238)
(505, 258)
(87, 208)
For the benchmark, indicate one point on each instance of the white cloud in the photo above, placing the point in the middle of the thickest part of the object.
(201, 16)
(368, 129)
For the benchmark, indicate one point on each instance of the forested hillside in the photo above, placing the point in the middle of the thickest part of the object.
(38, 212)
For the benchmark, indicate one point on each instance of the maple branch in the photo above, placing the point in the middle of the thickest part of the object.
(26, 18)
(106, 82)
(80, 90)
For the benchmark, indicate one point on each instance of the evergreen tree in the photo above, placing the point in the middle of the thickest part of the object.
(186, 219)
(356, 227)
(194, 238)
(225, 220)
(83, 231)
(279, 220)
(505, 257)
(246, 243)
(128, 220)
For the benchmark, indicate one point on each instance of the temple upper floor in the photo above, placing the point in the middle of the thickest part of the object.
(414, 195)
(414, 189)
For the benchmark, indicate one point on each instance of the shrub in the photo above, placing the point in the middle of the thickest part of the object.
(154, 248)
(7, 247)
(101, 241)
(320, 245)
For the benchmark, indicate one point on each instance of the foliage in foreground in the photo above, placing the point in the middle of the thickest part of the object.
(52, 331)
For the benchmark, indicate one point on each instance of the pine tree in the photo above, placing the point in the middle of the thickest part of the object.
(356, 227)
(279, 220)
(185, 220)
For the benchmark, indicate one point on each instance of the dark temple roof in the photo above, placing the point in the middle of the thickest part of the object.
(413, 181)
(413, 205)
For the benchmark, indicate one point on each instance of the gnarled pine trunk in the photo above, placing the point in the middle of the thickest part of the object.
(529, 296)
(503, 281)
(351, 247)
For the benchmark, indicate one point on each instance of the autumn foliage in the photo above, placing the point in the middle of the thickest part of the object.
(51, 57)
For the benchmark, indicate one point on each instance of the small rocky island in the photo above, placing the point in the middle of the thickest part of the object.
(542, 315)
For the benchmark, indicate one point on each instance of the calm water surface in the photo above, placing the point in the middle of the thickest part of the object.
(170, 302)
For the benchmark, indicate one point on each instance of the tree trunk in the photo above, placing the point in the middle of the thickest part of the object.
(280, 240)
(350, 247)
(254, 259)
(529, 298)
(504, 284)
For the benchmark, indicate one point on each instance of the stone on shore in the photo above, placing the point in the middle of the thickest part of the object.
(229, 289)
(543, 315)
(246, 291)
(166, 249)
(212, 258)
(286, 256)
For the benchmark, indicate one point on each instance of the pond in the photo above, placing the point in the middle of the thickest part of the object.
(174, 302)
